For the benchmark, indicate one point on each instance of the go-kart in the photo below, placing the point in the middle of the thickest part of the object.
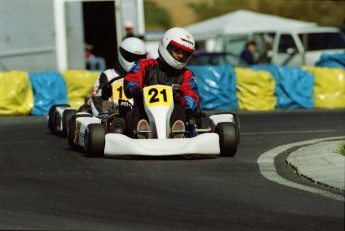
(60, 114)
(58, 117)
(96, 138)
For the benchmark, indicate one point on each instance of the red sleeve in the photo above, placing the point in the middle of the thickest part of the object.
(189, 87)
(137, 73)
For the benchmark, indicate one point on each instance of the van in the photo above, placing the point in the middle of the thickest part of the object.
(295, 47)
(305, 46)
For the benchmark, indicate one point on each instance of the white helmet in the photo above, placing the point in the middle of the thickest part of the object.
(176, 47)
(130, 50)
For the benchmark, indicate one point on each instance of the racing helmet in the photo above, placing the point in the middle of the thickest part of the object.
(176, 47)
(130, 50)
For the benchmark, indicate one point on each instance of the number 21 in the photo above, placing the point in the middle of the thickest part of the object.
(155, 97)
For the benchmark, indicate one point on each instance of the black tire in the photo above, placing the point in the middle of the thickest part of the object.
(52, 117)
(227, 138)
(236, 121)
(71, 132)
(94, 140)
(66, 116)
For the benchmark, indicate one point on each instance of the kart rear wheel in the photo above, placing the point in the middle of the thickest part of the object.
(52, 117)
(227, 138)
(71, 130)
(94, 140)
(66, 116)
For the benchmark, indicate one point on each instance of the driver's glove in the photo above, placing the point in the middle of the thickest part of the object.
(176, 93)
(136, 92)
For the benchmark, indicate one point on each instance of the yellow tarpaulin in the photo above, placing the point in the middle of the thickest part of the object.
(255, 90)
(16, 96)
(79, 84)
(329, 87)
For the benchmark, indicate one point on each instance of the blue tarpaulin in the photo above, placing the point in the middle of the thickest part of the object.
(332, 60)
(217, 86)
(49, 88)
(294, 86)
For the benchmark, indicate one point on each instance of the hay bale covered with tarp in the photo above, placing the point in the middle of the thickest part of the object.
(329, 87)
(16, 96)
(49, 88)
(294, 86)
(255, 89)
(217, 86)
(79, 84)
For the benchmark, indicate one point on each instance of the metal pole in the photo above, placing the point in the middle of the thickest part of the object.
(141, 17)
(118, 22)
(60, 34)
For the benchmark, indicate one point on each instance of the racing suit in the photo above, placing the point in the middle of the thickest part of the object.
(148, 72)
(102, 90)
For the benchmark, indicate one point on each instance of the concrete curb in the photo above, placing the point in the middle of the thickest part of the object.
(320, 163)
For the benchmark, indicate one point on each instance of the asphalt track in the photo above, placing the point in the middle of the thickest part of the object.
(46, 186)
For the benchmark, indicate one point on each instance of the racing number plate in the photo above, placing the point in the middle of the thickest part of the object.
(118, 91)
(158, 96)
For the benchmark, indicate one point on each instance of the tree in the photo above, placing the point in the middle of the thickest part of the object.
(156, 17)
(323, 12)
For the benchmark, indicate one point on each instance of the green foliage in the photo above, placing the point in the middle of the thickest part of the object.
(341, 149)
(156, 17)
(208, 9)
(323, 12)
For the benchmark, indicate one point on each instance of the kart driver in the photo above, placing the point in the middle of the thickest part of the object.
(130, 49)
(175, 49)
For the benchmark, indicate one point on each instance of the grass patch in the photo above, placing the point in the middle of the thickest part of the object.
(341, 149)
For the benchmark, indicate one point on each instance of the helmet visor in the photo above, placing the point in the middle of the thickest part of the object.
(130, 57)
(179, 52)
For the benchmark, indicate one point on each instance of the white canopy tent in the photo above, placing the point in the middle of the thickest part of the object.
(243, 22)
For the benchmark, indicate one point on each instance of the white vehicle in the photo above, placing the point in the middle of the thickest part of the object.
(305, 46)
(296, 47)
(94, 136)
(60, 114)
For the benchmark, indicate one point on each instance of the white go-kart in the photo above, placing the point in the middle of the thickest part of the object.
(58, 118)
(95, 136)
(59, 115)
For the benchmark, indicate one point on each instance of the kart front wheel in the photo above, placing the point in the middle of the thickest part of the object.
(94, 140)
(228, 138)
(52, 117)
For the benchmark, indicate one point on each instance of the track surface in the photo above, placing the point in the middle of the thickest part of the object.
(45, 185)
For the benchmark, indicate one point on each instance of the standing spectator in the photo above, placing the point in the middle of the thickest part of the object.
(129, 30)
(93, 62)
(247, 55)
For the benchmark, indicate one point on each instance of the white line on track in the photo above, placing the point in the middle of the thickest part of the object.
(268, 170)
(285, 132)
(23, 142)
